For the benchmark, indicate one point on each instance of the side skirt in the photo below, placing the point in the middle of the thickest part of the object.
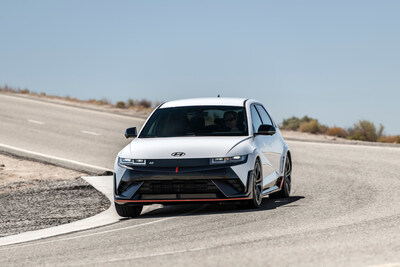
(271, 190)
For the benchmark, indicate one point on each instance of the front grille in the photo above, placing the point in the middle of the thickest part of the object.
(178, 186)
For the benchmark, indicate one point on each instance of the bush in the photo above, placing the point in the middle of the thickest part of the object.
(132, 103)
(395, 139)
(24, 91)
(323, 128)
(291, 124)
(120, 104)
(145, 103)
(103, 101)
(365, 131)
(338, 132)
(311, 126)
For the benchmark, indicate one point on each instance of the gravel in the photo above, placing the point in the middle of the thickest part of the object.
(40, 204)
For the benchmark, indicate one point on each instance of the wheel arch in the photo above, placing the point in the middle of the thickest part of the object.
(287, 154)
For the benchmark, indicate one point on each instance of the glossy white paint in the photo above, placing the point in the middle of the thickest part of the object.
(210, 101)
(270, 150)
(193, 147)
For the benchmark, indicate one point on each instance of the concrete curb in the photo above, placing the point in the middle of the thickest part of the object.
(104, 184)
(66, 163)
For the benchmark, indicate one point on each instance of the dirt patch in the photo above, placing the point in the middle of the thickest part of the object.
(311, 137)
(35, 196)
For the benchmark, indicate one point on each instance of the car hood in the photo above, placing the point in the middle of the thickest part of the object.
(193, 147)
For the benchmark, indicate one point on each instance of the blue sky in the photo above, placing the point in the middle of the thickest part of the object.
(338, 61)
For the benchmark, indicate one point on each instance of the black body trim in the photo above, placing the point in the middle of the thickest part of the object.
(220, 182)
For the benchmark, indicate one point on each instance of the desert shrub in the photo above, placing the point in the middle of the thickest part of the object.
(291, 124)
(145, 103)
(103, 101)
(337, 131)
(306, 119)
(6, 88)
(120, 104)
(311, 126)
(365, 131)
(132, 103)
(323, 128)
(395, 139)
(24, 91)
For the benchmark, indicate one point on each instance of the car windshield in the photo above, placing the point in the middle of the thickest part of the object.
(196, 121)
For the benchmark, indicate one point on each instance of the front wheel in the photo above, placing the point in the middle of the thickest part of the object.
(257, 185)
(287, 182)
(130, 211)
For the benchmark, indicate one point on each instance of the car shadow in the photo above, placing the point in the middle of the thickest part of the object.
(218, 208)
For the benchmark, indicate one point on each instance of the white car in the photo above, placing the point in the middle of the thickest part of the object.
(203, 150)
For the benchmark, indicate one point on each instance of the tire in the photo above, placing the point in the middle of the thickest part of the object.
(257, 185)
(287, 182)
(128, 210)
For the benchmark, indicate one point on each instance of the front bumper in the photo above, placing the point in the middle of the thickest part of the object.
(187, 184)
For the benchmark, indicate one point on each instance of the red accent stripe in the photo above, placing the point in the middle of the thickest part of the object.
(182, 200)
(176, 169)
(283, 178)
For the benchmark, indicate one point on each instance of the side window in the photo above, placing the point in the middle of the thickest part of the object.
(255, 118)
(264, 116)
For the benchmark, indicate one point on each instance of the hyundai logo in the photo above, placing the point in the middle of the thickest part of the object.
(178, 154)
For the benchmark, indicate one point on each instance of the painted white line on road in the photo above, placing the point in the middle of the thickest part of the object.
(86, 235)
(52, 157)
(91, 133)
(36, 122)
(153, 255)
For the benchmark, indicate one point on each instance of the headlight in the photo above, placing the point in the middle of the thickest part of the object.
(228, 160)
(125, 162)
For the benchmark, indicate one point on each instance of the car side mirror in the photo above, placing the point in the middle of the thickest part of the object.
(131, 132)
(266, 129)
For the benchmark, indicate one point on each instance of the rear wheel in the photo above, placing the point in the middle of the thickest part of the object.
(287, 182)
(130, 211)
(257, 185)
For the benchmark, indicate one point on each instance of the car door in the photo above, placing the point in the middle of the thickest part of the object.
(262, 143)
(274, 142)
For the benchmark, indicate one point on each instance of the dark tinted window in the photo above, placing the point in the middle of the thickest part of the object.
(196, 121)
(255, 118)
(264, 116)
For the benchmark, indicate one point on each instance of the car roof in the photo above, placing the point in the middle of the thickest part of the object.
(209, 101)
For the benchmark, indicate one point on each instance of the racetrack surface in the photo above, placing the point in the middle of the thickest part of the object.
(83, 135)
(344, 210)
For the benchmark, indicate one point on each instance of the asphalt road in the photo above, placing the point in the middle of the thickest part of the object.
(344, 209)
(83, 135)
